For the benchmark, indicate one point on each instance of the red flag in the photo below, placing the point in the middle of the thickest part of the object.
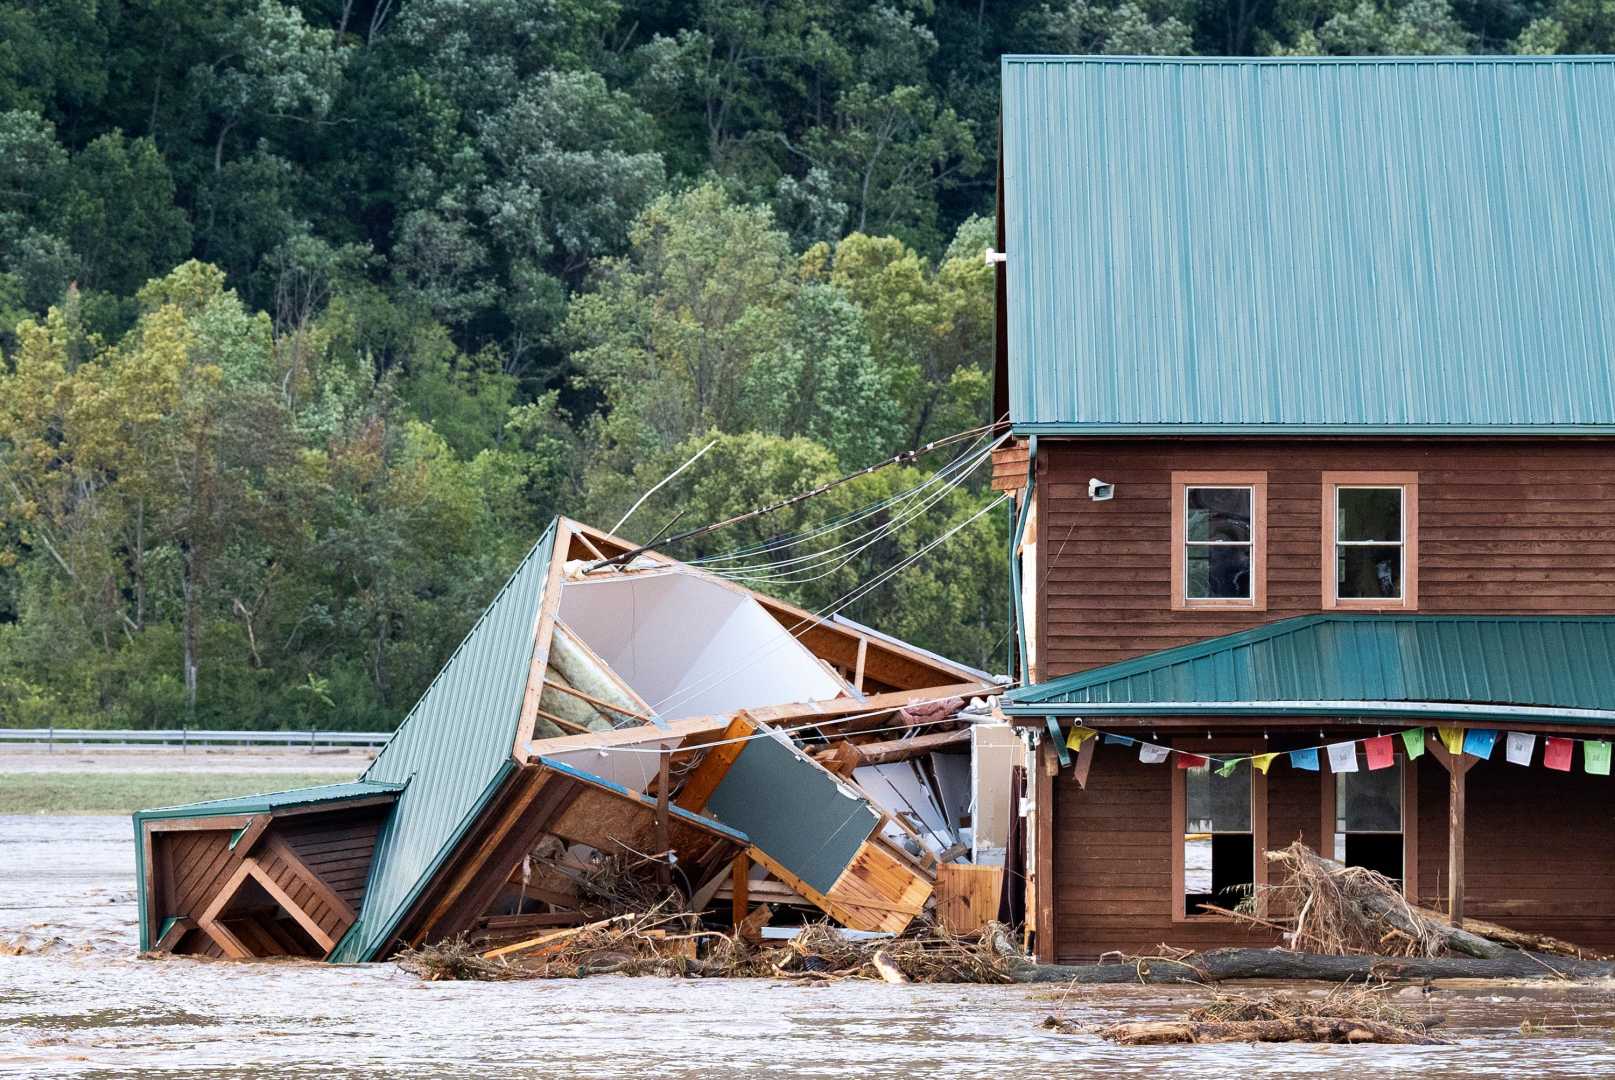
(1380, 753)
(1558, 752)
(1191, 761)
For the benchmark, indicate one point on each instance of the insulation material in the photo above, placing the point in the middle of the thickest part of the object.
(692, 647)
(995, 751)
(580, 668)
(569, 707)
(897, 788)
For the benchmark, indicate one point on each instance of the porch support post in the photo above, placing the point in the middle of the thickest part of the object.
(1457, 766)
(1045, 948)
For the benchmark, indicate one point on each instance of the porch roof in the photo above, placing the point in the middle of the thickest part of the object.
(1543, 668)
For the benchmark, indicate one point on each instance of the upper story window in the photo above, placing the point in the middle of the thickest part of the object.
(1370, 540)
(1219, 541)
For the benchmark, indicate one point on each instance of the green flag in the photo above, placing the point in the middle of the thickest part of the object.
(1595, 753)
(1413, 739)
(1227, 767)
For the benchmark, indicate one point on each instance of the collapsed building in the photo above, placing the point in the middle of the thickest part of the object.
(618, 726)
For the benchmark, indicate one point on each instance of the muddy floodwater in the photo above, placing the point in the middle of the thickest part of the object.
(79, 1003)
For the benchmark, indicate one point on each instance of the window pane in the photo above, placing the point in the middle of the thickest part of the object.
(1369, 514)
(1371, 572)
(1217, 514)
(1218, 572)
(1217, 804)
(1369, 801)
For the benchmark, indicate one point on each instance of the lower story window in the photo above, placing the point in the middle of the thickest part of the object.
(1368, 827)
(1219, 845)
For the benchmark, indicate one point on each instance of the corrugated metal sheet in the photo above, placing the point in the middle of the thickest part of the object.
(1479, 662)
(273, 800)
(451, 753)
(1310, 244)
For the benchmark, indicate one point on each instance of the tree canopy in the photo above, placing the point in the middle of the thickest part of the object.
(313, 312)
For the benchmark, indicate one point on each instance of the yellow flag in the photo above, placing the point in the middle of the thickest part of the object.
(1262, 761)
(1452, 738)
(1078, 736)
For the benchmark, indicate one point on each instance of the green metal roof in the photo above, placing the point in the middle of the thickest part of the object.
(1481, 667)
(272, 800)
(452, 752)
(1405, 245)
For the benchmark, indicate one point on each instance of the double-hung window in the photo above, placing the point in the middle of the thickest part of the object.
(1370, 540)
(1219, 541)
(1219, 834)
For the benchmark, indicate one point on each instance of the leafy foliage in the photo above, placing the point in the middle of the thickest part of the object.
(312, 312)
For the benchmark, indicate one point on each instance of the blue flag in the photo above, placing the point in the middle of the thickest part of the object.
(1304, 759)
(1478, 742)
(1118, 740)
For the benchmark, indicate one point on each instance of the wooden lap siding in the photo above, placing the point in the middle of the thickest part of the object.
(1113, 856)
(338, 852)
(199, 862)
(1539, 846)
(1516, 526)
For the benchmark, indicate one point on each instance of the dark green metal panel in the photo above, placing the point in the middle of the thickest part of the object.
(795, 811)
(451, 752)
(1446, 665)
(273, 800)
(1310, 244)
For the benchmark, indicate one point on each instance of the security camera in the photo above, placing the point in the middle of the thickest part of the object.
(1100, 490)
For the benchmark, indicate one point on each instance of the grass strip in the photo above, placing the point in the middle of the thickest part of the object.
(126, 792)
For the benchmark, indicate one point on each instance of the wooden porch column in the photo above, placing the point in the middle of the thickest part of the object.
(1045, 947)
(1457, 766)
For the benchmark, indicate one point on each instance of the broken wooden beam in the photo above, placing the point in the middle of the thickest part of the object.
(882, 753)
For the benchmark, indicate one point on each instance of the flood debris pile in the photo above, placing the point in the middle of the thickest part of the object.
(679, 944)
(1359, 1014)
(1327, 908)
(627, 757)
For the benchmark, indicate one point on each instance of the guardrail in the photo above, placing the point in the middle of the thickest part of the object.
(184, 738)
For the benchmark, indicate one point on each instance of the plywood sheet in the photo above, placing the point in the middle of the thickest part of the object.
(967, 896)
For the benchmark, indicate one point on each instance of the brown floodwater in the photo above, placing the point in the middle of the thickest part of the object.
(80, 1003)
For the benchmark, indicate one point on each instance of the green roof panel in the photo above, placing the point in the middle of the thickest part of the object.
(1486, 667)
(1310, 244)
(451, 753)
(273, 800)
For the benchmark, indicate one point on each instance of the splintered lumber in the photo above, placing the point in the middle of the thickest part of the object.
(1317, 1029)
(550, 939)
(882, 753)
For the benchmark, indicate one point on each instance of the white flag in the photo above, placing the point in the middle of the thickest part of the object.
(1520, 745)
(1343, 757)
(1150, 754)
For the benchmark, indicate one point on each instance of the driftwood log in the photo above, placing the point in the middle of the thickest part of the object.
(1219, 965)
(1317, 1029)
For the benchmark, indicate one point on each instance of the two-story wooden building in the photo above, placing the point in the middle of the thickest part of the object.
(1311, 365)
